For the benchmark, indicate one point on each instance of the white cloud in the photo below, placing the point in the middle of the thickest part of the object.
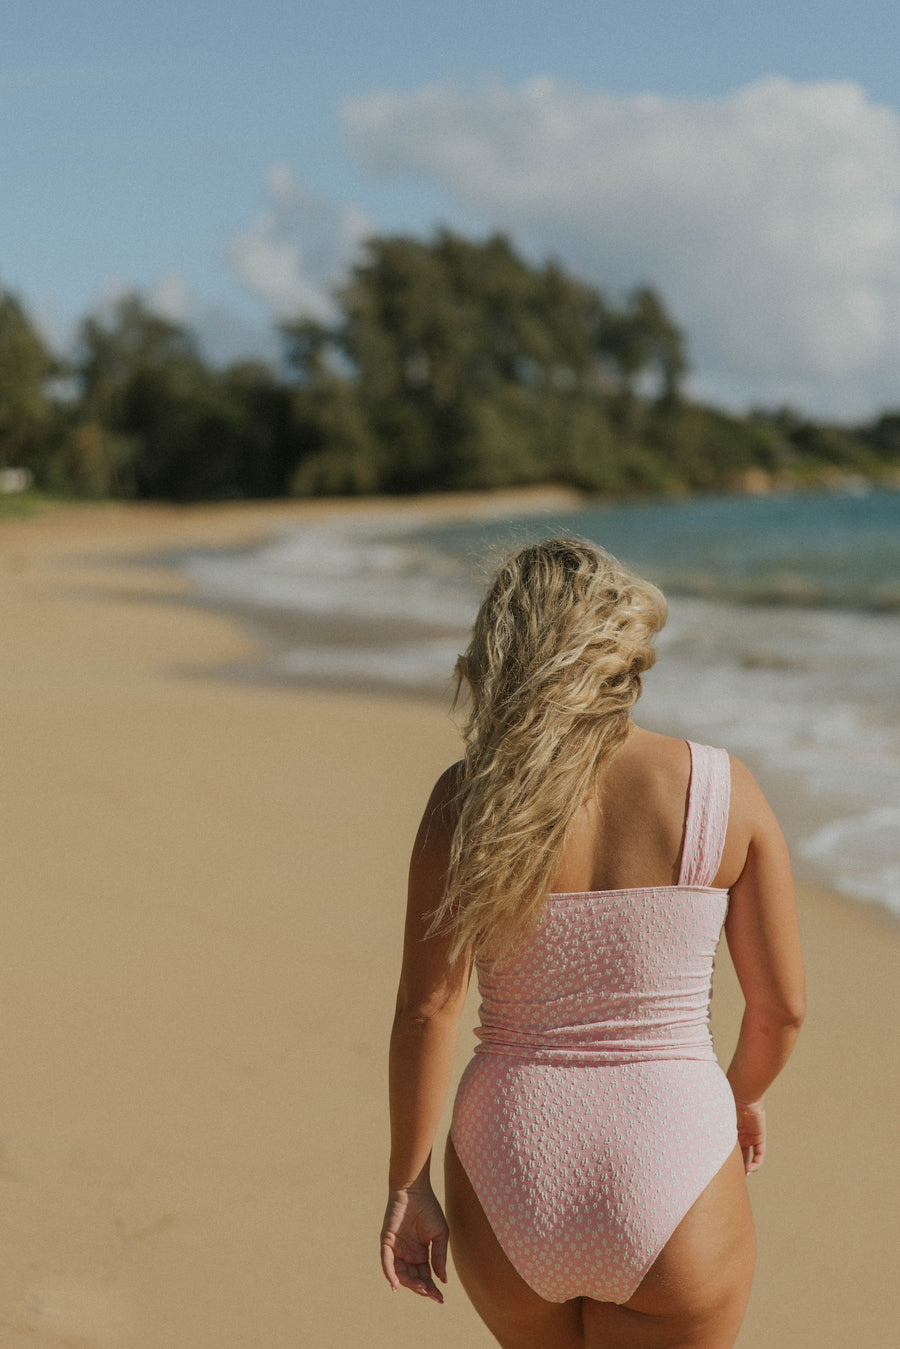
(769, 219)
(296, 248)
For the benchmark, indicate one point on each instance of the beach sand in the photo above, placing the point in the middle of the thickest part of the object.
(204, 888)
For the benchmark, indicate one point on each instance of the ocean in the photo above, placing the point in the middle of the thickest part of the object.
(783, 640)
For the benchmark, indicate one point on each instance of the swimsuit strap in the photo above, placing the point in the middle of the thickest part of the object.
(707, 815)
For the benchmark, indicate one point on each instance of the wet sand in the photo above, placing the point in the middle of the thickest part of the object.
(204, 891)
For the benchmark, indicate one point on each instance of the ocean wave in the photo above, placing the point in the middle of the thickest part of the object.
(859, 854)
(347, 569)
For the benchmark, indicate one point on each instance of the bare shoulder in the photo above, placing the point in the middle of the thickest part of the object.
(653, 745)
(652, 755)
(445, 791)
(754, 843)
(439, 816)
(448, 784)
(749, 807)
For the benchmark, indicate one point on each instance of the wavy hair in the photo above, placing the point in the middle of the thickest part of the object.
(552, 671)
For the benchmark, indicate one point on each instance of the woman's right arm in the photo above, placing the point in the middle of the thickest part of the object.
(423, 1040)
(764, 942)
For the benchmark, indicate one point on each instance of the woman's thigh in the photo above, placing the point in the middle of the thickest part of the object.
(513, 1312)
(695, 1293)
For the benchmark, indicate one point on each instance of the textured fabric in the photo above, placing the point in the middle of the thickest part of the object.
(707, 815)
(594, 1112)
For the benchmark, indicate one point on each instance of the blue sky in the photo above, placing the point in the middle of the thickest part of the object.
(227, 159)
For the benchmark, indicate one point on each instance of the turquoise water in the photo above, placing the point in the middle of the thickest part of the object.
(811, 549)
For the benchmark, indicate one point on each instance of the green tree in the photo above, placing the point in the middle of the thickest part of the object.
(26, 413)
(165, 425)
(461, 354)
(121, 362)
(641, 340)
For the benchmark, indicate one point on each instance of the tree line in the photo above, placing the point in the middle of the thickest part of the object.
(449, 364)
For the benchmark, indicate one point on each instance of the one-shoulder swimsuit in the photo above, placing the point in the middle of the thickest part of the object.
(594, 1112)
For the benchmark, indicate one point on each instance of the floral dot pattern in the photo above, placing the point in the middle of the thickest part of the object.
(594, 1112)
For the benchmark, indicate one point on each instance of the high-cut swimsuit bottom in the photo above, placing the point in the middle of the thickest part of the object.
(584, 1172)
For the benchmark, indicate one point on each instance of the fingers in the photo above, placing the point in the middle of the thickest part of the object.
(439, 1256)
(417, 1278)
(751, 1122)
(414, 1274)
(759, 1156)
(754, 1154)
(413, 1227)
(387, 1264)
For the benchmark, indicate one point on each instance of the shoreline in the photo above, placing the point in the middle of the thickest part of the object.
(198, 974)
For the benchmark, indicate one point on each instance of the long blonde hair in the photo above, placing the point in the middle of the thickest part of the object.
(553, 669)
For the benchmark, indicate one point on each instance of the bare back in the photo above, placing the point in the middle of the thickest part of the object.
(631, 834)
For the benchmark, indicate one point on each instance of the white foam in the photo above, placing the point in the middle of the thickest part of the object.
(347, 569)
(860, 854)
(409, 663)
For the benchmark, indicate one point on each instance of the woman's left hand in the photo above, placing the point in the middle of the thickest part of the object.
(751, 1130)
(414, 1223)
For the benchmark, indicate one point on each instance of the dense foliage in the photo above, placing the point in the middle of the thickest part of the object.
(451, 364)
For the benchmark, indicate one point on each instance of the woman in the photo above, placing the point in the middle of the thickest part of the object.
(595, 1169)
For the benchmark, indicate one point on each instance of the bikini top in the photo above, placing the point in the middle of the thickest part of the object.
(620, 976)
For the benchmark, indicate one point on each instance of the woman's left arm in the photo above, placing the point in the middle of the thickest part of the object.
(423, 1045)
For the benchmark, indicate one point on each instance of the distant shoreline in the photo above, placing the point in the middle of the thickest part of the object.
(21, 498)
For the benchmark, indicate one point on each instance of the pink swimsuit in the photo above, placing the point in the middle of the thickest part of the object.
(594, 1112)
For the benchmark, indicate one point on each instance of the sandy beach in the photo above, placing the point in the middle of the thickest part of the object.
(204, 888)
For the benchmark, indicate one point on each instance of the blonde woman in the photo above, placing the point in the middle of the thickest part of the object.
(595, 1172)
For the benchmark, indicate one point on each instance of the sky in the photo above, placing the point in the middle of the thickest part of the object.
(228, 160)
